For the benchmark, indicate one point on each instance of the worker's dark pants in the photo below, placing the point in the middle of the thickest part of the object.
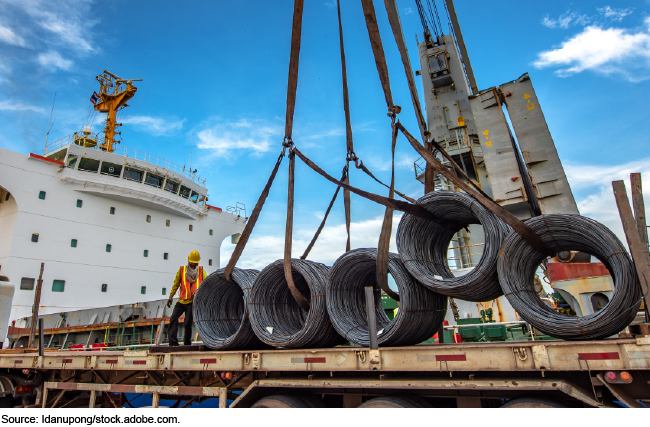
(179, 309)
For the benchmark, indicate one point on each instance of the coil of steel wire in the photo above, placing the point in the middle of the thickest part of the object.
(424, 245)
(221, 312)
(275, 316)
(421, 310)
(518, 262)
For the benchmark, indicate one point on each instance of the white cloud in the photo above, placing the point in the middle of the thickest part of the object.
(52, 59)
(615, 14)
(17, 106)
(330, 4)
(408, 10)
(222, 137)
(69, 22)
(9, 37)
(602, 50)
(566, 20)
(262, 250)
(596, 181)
(155, 126)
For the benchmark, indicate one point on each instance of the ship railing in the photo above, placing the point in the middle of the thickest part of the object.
(465, 259)
(132, 153)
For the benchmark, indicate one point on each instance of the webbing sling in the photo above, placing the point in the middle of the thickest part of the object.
(402, 195)
(382, 70)
(396, 26)
(378, 52)
(348, 129)
(327, 213)
(522, 229)
(386, 230)
(288, 237)
(398, 205)
(250, 224)
(292, 86)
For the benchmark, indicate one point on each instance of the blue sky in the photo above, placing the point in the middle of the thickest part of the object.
(215, 86)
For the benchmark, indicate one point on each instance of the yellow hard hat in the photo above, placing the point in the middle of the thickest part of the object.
(194, 257)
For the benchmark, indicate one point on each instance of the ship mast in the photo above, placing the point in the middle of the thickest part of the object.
(114, 93)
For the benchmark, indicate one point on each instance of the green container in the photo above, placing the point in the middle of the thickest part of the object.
(495, 332)
(471, 334)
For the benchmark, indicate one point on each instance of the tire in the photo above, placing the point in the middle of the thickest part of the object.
(532, 402)
(7, 402)
(281, 401)
(401, 401)
(311, 400)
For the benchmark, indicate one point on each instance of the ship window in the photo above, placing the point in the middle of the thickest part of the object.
(210, 262)
(164, 291)
(145, 253)
(7, 197)
(72, 161)
(41, 195)
(210, 233)
(167, 222)
(437, 63)
(154, 180)
(148, 218)
(80, 203)
(194, 197)
(104, 287)
(27, 283)
(171, 186)
(73, 243)
(58, 286)
(143, 290)
(165, 255)
(35, 237)
(108, 248)
(185, 192)
(111, 169)
(4, 279)
(88, 165)
(191, 228)
(112, 211)
(133, 174)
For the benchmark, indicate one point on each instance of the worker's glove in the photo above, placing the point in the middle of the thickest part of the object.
(169, 302)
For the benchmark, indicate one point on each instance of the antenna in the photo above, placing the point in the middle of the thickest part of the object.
(49, 125)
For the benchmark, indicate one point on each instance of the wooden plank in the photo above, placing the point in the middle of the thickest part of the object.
(637, 249)
(639, 211)
(35, 308)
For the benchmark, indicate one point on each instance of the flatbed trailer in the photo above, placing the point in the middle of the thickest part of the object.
(522, 373)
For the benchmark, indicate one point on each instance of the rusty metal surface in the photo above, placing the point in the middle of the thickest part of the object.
(617, 354)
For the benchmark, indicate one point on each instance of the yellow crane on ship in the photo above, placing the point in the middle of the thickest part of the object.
(113, 94)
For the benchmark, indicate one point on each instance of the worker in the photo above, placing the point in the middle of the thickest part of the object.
(189, 277)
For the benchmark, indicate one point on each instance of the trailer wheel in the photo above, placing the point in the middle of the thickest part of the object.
(289, 401)
(401, 401)
(532, 402)
(7, 402)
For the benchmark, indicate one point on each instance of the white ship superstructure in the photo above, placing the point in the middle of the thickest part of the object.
(110, 229)
(111, 224)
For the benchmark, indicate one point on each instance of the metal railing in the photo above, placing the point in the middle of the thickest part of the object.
(132, 153)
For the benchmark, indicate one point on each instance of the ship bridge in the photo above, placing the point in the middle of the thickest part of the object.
(131, 176)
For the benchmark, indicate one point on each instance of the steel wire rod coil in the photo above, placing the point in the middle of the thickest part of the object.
(421, 310)
(221, 312)
(518, 262)
(424, 246)
(276, 317)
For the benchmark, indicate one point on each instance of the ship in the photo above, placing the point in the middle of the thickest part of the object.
(109, 224)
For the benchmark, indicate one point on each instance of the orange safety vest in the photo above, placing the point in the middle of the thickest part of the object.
(189, 289)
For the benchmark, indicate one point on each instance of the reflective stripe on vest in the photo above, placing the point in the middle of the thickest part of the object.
(188, 290)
